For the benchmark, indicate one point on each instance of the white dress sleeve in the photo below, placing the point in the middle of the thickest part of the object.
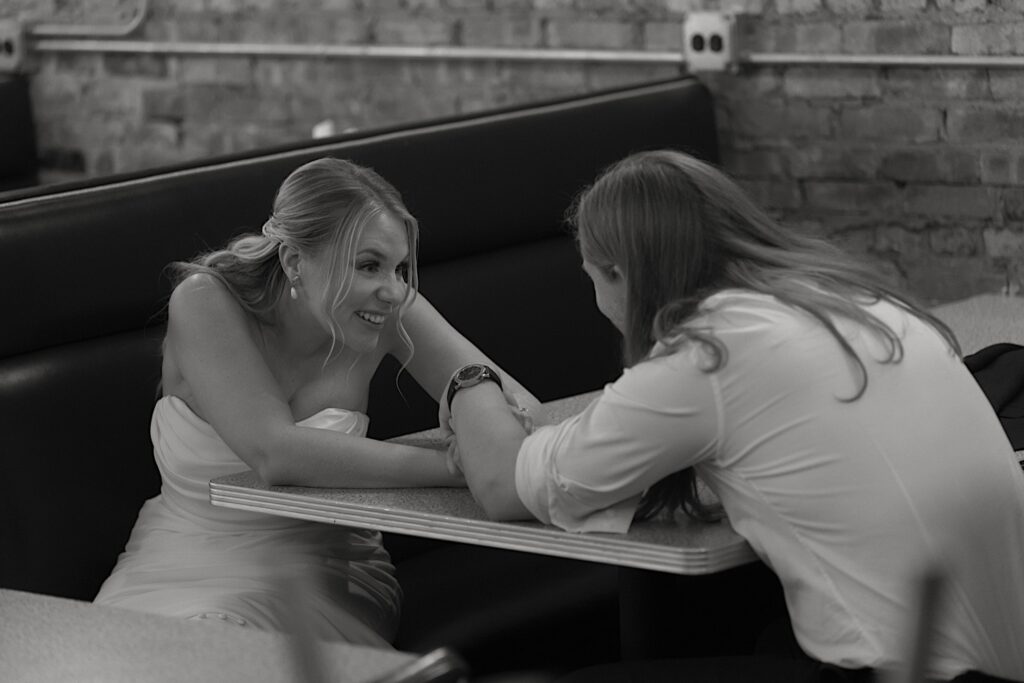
(589, 472)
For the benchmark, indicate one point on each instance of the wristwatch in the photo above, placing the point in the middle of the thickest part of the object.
(471, 375)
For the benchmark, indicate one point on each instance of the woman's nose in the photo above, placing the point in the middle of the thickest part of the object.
(392, 290)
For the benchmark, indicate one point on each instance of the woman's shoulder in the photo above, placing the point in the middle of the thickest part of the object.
(201, 293)
(201, 305)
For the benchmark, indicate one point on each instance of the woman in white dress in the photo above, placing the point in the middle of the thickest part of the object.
(832, 416)
(270, 348)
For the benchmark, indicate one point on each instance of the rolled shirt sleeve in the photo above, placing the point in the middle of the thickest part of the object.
(589, 472)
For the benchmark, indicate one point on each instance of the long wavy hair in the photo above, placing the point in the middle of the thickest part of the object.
(681, 230)
(321, 207)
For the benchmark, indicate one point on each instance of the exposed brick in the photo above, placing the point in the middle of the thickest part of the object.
(524, 75)
(684, 6)
(850, 7)
(936, 279)
(81, 65)
(963, 6)
(609, 35)
(985, 124)
(1007, 85)
(823, 83)
(955, 241)
(602, 75)
(233, 104)
(510, 6)
(902, 6)
(1013, 203)
(927, 164)
(163, 104)
(988, 39)
(797, 6)
(950, 200)
(423, 6)
(1003, 242)
(833, 162)
(109, 97)
(223, 70)
(405, 31)
(897, 238)
(494, 31)
(888, 37)
(151, 66)
(773, 194)
(890, 122)
(755, 163)
(937, 84)
(817, 37)
(207, 27)
(554, 6)
(803, 37)
(782, 121)
(663, 35)
(851, 197)
(997, 167)
(753, 87)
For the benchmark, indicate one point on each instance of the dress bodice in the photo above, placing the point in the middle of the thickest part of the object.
(188, 558)
(189, 453)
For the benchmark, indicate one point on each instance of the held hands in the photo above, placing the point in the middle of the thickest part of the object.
(445, 421)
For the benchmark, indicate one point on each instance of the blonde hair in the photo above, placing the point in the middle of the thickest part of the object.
(322, 205)
(681, 230)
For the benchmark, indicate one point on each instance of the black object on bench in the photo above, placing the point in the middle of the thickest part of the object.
(82, 293)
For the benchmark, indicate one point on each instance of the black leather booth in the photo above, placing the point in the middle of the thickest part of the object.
(82, 292)
(19, 164)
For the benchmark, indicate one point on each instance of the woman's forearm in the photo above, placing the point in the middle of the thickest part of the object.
(489, 437)
(304, 456)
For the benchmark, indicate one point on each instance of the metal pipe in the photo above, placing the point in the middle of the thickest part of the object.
(512, 54)
(91, 31)
(950, 61)
(373, 51)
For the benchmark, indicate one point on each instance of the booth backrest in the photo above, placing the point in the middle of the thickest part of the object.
(83, 291)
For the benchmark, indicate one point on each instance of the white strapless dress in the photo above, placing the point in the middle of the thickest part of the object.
(189, 559)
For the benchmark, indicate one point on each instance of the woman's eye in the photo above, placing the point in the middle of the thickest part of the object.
(371, 266)
(403, 271)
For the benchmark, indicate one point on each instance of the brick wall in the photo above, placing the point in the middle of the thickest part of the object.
(921, 169)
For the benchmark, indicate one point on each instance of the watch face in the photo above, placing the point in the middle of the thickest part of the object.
(470, 372)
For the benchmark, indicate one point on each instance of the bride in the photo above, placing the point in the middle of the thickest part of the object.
(270, 348)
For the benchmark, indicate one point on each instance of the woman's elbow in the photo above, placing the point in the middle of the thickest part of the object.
(271, 470)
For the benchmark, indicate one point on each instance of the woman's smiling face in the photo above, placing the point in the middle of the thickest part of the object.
(377, 284)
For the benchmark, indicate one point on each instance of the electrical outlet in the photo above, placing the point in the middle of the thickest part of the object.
(12, 45)
(709, 41)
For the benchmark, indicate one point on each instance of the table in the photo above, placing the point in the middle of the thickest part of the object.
(683, 547)
(50, 640)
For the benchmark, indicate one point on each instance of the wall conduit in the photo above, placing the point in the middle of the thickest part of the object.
(201, 49)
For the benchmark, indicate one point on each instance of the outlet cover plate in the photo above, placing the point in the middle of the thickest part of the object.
(12, 45)
(709, 41)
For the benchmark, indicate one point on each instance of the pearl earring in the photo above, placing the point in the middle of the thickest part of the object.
(294, 292)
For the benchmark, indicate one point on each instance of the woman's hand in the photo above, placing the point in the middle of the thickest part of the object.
(523, 407)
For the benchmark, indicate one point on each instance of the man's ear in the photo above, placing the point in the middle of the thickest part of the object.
(290, 259)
